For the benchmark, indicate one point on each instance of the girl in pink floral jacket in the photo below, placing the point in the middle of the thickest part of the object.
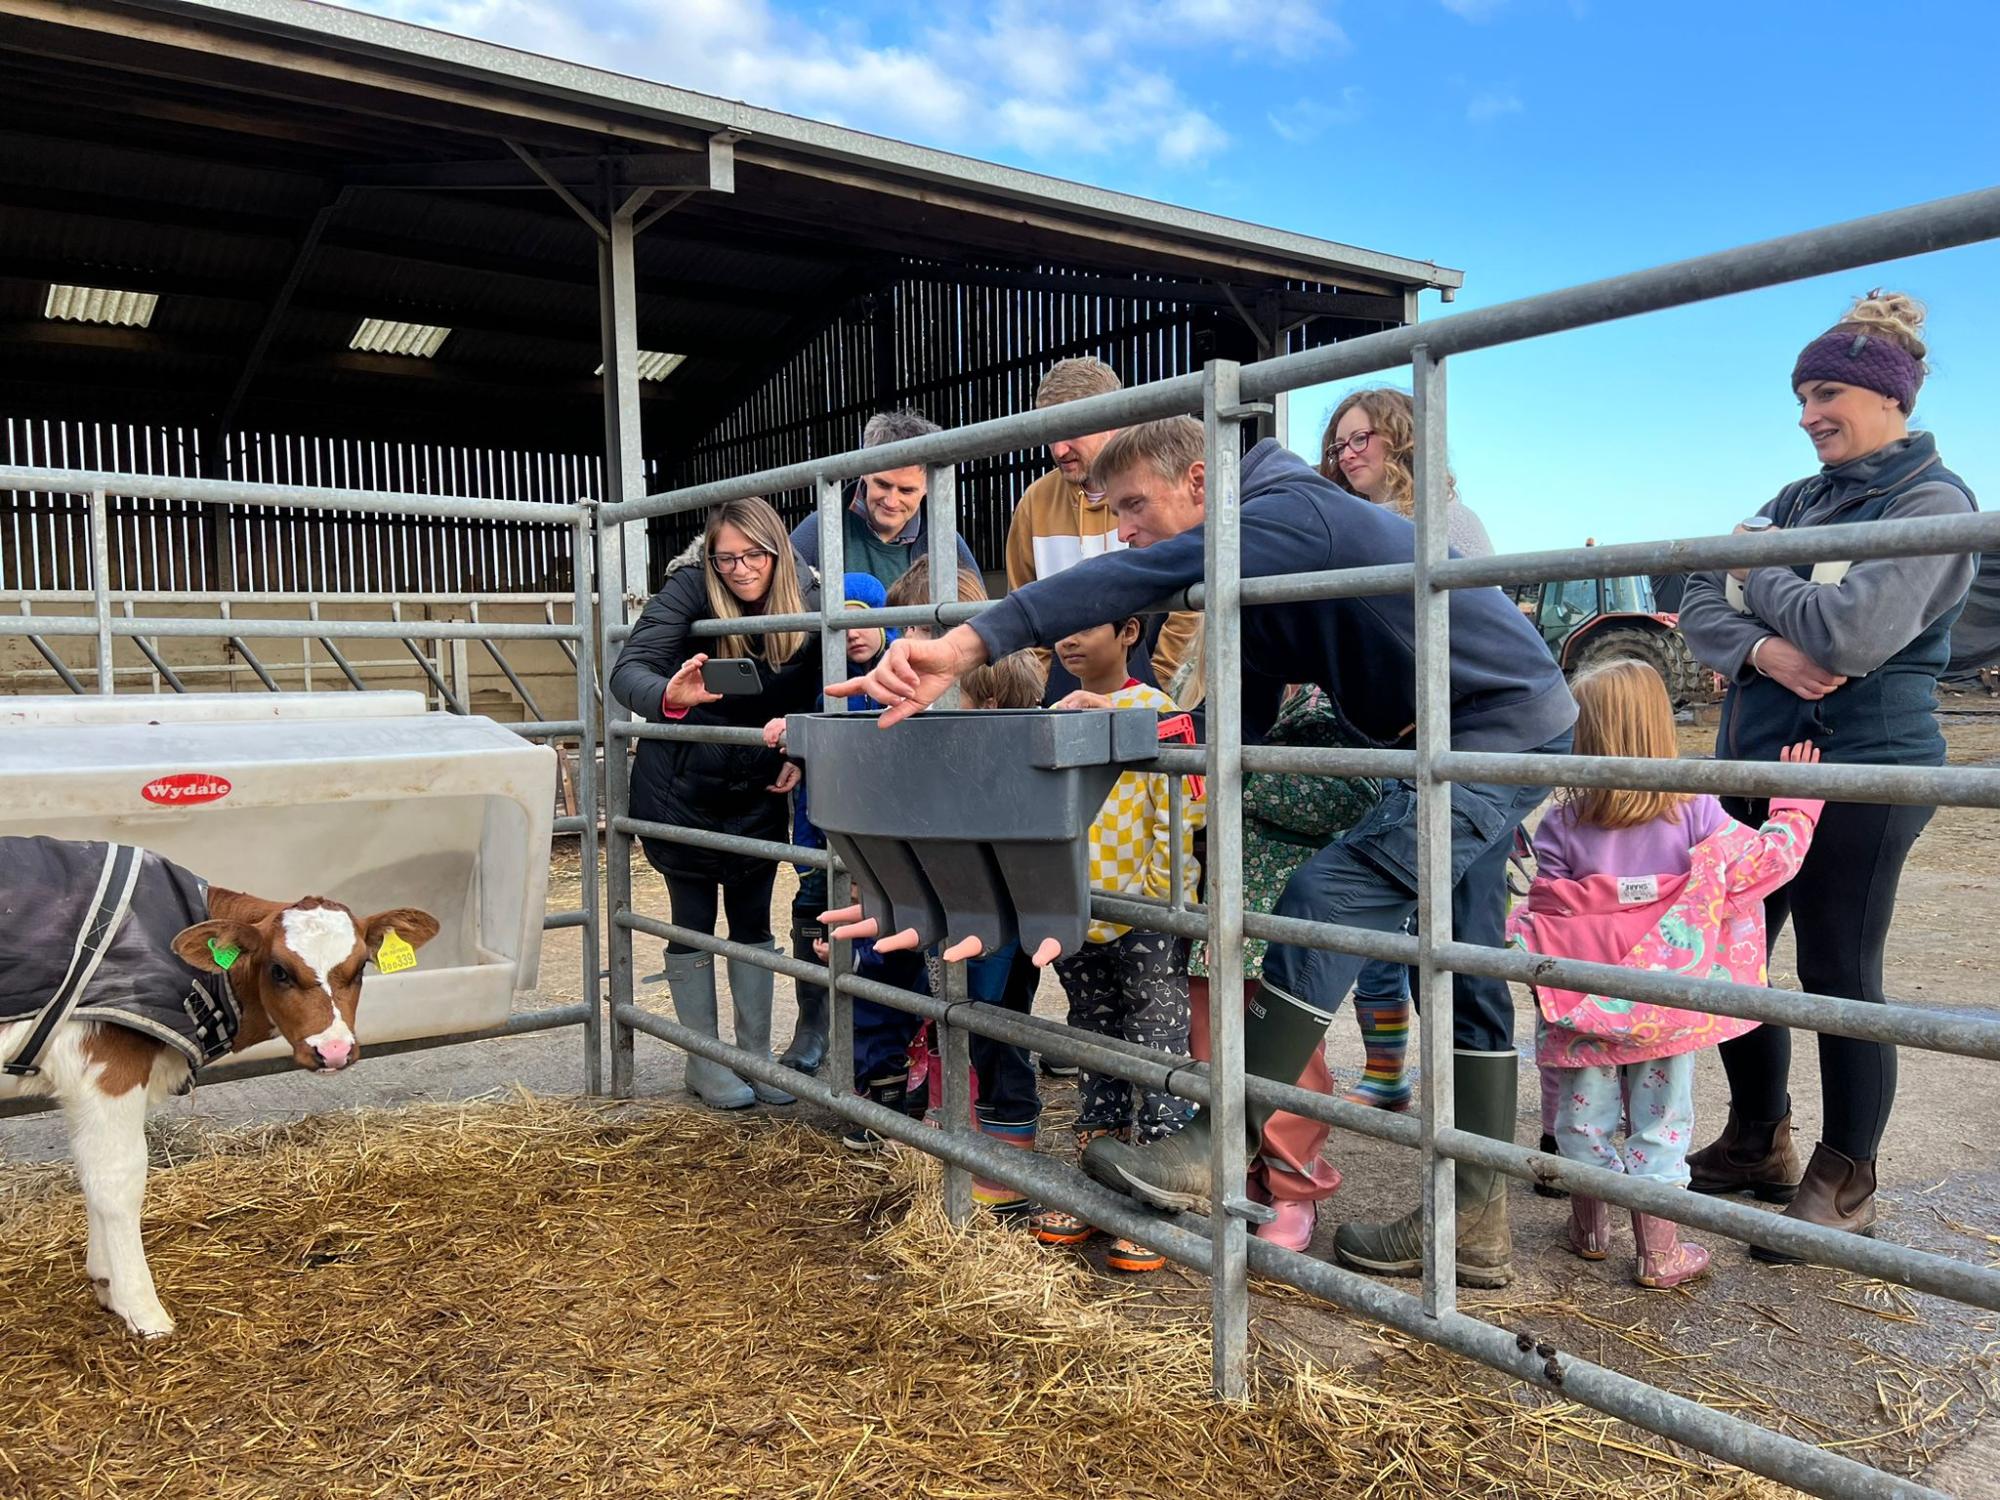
(1644, 880)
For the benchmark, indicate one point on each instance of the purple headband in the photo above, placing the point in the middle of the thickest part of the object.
(1851, 357)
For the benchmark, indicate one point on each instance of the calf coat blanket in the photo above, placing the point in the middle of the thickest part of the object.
(86, 933)
(1706, 924)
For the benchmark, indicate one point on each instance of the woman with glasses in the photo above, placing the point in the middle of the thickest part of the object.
(1369, 449)
(1846, 655)
(743, 567)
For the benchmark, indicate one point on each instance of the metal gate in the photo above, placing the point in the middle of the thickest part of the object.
(1226, 395)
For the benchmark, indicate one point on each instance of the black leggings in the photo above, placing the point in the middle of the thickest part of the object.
(746, 898)
(1840, 905)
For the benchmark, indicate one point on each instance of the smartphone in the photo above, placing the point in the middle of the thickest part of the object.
(730, 674)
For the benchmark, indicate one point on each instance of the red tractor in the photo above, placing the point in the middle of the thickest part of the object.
(1588, 622)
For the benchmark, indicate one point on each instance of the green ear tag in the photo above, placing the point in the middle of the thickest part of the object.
(223, 953)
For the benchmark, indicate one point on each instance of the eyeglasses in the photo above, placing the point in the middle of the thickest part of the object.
(1358, 442)
(730, 562)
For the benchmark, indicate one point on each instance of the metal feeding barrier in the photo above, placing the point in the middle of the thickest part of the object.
(1225, 395)
(113, 617)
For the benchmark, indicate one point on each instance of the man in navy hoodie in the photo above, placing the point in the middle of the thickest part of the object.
(1506, 695)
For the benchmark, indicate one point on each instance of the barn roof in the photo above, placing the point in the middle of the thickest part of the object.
(278, 171)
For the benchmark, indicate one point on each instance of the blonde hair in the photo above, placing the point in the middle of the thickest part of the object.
(914, 587)
(1169, 447)
(754, 517)
(1895, 316)
(1622, 709)
(1394, 416)
(1075, 379)
(1018, 680)
(1190, 684)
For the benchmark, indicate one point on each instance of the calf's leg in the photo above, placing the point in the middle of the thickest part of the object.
(107, 1133)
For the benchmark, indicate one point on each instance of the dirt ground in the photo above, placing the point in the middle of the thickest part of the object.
(1905, 1381)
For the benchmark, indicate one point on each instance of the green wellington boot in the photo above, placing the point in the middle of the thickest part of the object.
(1484, 1085)
(750, 987)
(1280, 1035)
(691, 981)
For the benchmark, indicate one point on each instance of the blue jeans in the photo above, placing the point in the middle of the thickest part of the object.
(1381, 980)
(1368, 878)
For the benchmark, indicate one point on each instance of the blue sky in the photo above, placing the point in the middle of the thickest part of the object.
(1533, 144)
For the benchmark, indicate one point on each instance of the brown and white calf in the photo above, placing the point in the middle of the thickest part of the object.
(296, 971)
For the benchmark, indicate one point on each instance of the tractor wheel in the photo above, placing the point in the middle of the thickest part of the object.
(1661, 649)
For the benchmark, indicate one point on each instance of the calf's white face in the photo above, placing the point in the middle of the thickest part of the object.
(302, 963)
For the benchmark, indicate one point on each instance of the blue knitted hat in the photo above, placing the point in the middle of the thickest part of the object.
(865, 590)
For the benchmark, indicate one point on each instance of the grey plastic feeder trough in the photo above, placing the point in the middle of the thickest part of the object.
(970, 824)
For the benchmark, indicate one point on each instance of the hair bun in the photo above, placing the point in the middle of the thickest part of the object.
(1894, 315)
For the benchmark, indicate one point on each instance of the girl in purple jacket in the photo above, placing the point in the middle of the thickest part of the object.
(1663, 881)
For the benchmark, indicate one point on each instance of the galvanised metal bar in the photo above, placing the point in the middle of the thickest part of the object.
(618, 801)
(100, 590)
(507, 669)
(551, 729)
(152, 655)
(1937, 225)
(1433, 705)
(1222, 641)
(839, 1066)
(242, 648)
(443, 688)
(524, 1024)
(1920, 1270)
(290, 630)
(897, 617)
(953, 1050)
(61, 668)
(1527, 1356)
(724, 843)
(1961, 786)
(346, 667)
(284, 496)
(1897, 1024)
(582, 607)
(558, 920)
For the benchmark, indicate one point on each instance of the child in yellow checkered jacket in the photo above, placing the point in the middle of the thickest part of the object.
(1124, 982)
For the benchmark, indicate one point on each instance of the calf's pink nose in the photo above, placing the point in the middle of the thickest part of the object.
(334, 1054)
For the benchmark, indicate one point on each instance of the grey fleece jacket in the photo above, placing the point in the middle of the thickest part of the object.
(1877, 609)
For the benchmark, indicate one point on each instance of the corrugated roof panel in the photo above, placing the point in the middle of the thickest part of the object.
(85, 304)
(386, 336)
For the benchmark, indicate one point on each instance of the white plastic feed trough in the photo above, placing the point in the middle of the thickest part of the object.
(362, 797)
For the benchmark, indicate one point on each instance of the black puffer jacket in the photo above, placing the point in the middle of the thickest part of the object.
(720, 788)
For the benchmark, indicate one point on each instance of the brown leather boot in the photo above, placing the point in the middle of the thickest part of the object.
(1749, 1157)
(1838, 1191)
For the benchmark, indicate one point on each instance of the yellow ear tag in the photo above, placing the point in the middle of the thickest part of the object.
(395, 955)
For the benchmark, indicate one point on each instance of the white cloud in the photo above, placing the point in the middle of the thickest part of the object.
(1490, 104)
(1308, 119)
(1474, 10)
(1053, 79)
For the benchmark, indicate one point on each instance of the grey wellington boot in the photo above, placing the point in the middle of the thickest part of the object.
(1484, 1086)
(807, 1049)
(1280, 1035)
(691, 981)
(750, 992)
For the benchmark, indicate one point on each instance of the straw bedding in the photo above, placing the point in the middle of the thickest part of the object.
(544, 1298)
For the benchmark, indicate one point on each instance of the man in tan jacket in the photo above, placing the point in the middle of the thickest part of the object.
(1061, 519)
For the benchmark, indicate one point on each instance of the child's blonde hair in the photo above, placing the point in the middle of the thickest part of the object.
(1622, 709)
(914, 587)
(1015, 681)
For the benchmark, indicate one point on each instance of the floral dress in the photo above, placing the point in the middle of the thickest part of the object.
(1288, 819)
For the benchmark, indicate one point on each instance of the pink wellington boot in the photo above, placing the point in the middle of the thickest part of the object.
(1589, 1227)
(1665, 1262)
(1293, 1228)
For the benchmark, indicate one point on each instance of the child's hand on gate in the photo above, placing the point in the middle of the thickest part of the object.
(1804, 753)
(774, 735)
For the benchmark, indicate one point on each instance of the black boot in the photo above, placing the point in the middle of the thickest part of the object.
(807, 1049)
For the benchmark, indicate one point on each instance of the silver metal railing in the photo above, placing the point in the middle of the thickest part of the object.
(1223, 395)
(113, 616)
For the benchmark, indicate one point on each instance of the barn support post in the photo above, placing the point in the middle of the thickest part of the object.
(839, 1064)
